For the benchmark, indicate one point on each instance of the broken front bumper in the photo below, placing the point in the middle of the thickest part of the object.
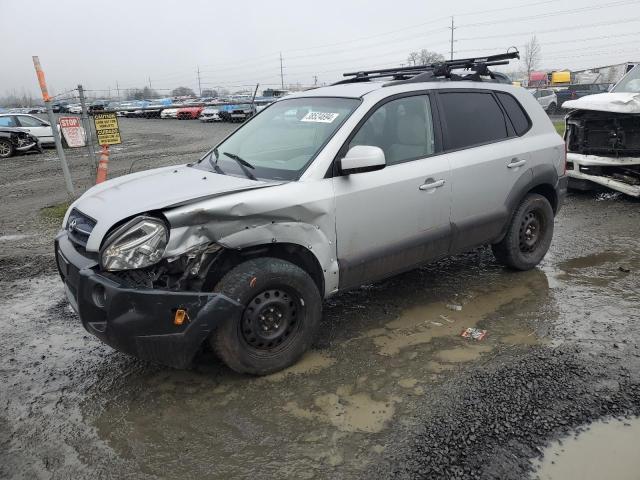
(579, 167)
(139, 321)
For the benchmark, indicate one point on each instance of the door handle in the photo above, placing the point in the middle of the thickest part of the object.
(515, 163)
(431, 184)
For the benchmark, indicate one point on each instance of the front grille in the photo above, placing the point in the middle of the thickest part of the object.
(79, 227)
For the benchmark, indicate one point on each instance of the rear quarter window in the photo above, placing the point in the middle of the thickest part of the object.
(472, 118)
(519, 118)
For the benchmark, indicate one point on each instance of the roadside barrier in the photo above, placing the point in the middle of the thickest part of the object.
(103, 164)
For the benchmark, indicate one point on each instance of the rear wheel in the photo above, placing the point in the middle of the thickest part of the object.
(529, 235)
(282, 311)
(6, 148)
(552, 109)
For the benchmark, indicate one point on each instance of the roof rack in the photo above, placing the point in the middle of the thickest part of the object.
(478, 66)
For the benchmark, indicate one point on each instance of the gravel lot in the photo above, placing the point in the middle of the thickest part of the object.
(390, 390)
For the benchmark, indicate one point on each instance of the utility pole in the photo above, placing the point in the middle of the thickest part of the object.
(54, 126)
(199, 84)
(118, 89)
(452, 28)
(88, 132)
(150, 84)
(281, 72)
(315, 80)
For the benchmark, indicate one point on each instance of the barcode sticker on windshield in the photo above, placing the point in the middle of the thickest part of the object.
(322, 117)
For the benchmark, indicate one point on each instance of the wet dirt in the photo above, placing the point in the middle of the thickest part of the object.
(605, 450)
(389, 359)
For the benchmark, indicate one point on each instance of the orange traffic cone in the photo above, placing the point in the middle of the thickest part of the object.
(103, 164)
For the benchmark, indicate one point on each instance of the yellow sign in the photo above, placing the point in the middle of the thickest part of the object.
(107, 128)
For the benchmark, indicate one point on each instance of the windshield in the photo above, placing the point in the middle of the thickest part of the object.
(630, 82)
(283, 139)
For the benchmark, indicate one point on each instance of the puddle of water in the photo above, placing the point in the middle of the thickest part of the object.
(593, 260)
(464, 353)
(422, 323)
(608, 450)
(14, 238)
(347, 411)
(311, 362)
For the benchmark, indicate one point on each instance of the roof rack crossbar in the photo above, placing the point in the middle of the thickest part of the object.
(478, 65)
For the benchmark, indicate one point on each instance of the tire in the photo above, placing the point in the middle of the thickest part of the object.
(529, 234)
(280, 320)
(551, 110)
(6, 148)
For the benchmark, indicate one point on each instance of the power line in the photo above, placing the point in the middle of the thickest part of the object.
(513, 7)
(553, 30)
(573, 40)
(553, 14)
(250, 64)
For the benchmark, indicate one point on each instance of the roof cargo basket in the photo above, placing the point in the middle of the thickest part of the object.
(477, 66)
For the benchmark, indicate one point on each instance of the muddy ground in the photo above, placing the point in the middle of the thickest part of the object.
(390, 389)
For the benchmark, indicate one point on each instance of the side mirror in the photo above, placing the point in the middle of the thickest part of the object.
(362, 158)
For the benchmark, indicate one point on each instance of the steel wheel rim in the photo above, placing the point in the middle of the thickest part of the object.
(272, 320)
(531, 229)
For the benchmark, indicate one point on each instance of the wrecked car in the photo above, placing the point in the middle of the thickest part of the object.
(603, 138)
(321, 192)
(16, 140)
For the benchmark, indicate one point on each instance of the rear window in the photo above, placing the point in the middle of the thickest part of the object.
(515, 112)
(7, 122)
(472, 118)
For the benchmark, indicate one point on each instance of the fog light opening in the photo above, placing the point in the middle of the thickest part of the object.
(99, 296)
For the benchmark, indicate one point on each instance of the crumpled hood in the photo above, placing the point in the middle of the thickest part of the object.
(120, 198)
(621, 102)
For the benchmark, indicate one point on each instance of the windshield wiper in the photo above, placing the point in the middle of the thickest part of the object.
(244, 165)
(213, 164)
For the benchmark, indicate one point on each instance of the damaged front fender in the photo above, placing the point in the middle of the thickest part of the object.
(263, 217)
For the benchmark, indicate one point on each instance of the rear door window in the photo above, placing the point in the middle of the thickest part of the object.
(26, 121)
(471, 118)
(515, 112)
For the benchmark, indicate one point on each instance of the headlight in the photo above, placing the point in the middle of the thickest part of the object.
(138, 244)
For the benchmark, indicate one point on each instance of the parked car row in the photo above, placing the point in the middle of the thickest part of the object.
(573, 92)
(552, 98)
(24, 110)
(214, 113)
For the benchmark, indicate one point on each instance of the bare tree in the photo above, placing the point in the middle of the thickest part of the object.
(531, 57)
(145, 93)
(413, 58)
(427, 57)
(424, 57)
(209, 92)
(182, 92)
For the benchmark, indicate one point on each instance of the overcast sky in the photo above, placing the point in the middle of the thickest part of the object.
(162, 42)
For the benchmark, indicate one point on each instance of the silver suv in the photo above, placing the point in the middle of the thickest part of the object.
(323, 191)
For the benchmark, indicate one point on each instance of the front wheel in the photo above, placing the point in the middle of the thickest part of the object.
(552, 109)
(6, 149)
(281, 316)
(529, 234)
